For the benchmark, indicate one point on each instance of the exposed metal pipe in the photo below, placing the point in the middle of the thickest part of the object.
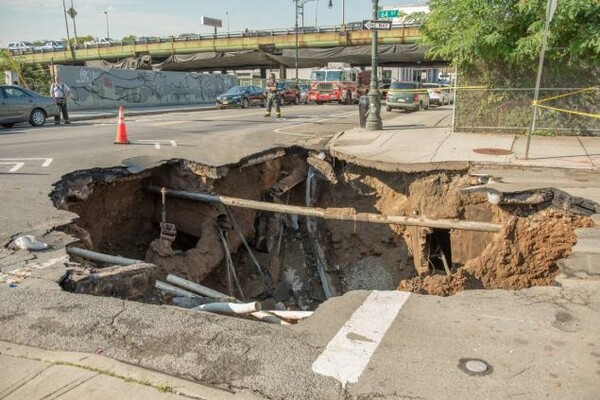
(197, 288)
(101, 257)
(342, 214)
(174, 290)
(311, 228)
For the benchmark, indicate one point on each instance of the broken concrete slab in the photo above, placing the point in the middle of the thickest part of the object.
(128, 282)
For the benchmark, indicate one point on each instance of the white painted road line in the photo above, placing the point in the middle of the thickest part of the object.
(157, 143)
(20, 162)
(17, 165)
(46, 163)
(350, 350)
(333, 116)
(168, 123)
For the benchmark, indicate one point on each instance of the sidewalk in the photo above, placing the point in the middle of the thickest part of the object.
(35, 374)
(407, 148)
(134, 111)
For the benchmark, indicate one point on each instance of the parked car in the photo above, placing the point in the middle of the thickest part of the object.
(438, 95)
(18, 104)
(406, 96)
(352, 26)
(52, 45)
(242, 96)
(101, 42)
(289, 92)
(303, 88)
(147, 39)
(20, 47)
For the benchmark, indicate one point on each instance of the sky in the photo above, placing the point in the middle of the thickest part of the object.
(29, 20)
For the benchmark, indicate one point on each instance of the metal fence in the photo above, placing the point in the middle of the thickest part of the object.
(561, 111)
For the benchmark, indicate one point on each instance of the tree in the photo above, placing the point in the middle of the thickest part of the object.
(32, 76)
(497, 43)
(129, 38)
(509, 32)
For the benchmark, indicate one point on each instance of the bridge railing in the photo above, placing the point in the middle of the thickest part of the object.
(237, 34)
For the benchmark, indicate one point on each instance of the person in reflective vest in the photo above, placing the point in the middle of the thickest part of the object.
(273, 96)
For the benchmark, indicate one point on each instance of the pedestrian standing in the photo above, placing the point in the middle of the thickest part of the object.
(60, 92)
(273, 96)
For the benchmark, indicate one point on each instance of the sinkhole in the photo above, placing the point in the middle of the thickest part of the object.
(287, 260)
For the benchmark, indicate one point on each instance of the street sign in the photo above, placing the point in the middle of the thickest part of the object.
(217, 23)
(72, 13)
(377, 25)
(387, 14)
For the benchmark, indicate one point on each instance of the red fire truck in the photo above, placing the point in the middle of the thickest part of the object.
(339, 84)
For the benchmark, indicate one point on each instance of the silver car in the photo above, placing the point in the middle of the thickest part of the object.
(18, 104)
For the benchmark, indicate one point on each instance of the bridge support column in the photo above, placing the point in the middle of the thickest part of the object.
(282, 72)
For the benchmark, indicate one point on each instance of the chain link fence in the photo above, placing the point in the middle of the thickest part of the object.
(561, 110)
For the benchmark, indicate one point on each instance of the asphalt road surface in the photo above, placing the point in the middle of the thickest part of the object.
(32, 159)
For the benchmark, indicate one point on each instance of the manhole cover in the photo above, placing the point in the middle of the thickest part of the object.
(492, 151)
(474, 366)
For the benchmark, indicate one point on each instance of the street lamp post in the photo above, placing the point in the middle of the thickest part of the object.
(300, 11)
(227, 15)
(107, 31)
(374, 119)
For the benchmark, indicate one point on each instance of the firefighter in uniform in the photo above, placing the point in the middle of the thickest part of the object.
(273, 96)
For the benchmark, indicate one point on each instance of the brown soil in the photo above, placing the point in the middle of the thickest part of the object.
(522, 255)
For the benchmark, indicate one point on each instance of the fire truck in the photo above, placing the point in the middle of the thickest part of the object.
(340, 84)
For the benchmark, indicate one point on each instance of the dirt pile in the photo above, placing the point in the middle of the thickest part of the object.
(522, 255)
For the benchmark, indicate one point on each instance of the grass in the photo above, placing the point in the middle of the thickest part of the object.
(161, 388)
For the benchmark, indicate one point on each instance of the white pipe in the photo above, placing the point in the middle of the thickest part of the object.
(260, 315)
(230, 308)
(291, 315)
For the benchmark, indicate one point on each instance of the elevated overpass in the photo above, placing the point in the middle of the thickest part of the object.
(247, 49)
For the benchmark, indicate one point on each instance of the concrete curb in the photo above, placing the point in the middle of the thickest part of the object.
(130, 373)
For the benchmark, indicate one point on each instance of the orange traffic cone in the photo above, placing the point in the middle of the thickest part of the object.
(121, 129)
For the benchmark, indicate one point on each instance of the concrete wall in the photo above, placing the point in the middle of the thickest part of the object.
(94, 88)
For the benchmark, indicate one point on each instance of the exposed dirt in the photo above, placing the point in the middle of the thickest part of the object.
(119, 216)
(523, 254)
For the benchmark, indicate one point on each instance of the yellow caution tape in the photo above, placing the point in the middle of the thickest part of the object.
(570, 111)
(567, 94)
(425, 90)
(584, 114)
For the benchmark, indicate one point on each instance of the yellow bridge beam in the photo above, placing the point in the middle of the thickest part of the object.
(220, 44)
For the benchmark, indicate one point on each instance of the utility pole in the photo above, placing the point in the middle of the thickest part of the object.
(550, 8)
(374, 118)
(297, 6)
(68, 35)
(73, 14)
(107, 31)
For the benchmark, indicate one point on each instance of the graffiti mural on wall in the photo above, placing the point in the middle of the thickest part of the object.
(94, 88)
